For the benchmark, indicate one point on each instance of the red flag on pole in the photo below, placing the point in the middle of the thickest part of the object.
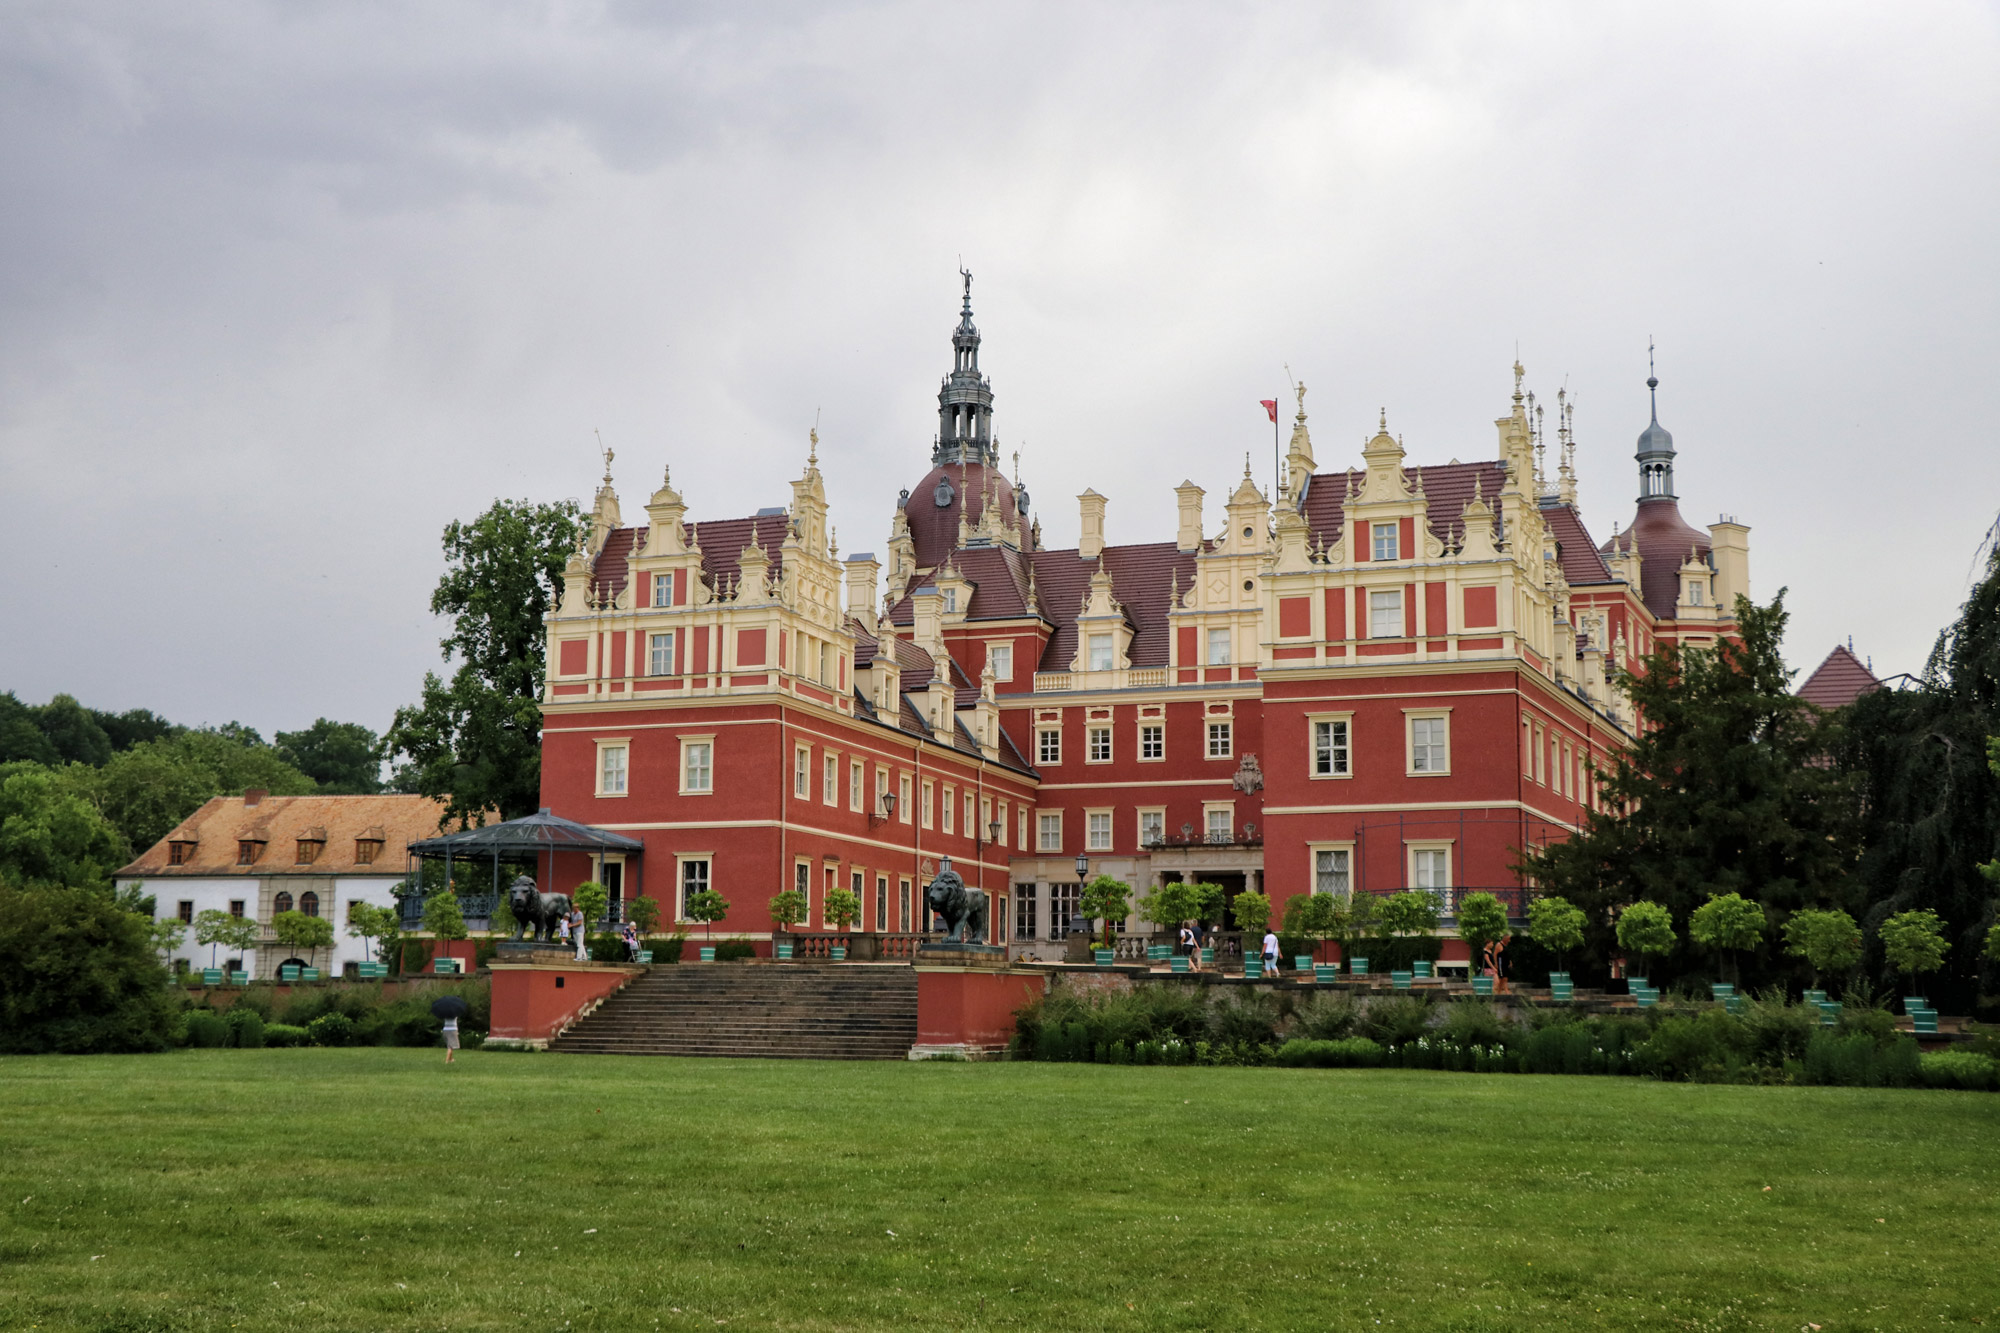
(1270, 405)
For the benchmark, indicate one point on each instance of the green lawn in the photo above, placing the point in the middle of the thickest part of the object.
(374, 1189)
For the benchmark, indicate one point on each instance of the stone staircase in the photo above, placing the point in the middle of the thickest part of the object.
(772, 1011)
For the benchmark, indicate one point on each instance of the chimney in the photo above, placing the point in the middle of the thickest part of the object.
(1729, 547)
(1189, 496)
(862, 568)
(255, 795)
(1090, 544)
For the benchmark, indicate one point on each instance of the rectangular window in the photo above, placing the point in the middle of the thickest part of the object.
(971, 825)
(1024, 911)
(1099, 751)
(611, 770)
(1219, 821)
(881, 810)
(1385, 540)
(1385, 614)
(694, 879)
(829, 780)
(1427, 745)
(1152, 740)
(927, 803)
(881, 902)
(1540, 774)
(1330, 871)
(951, 601)
(1000, 656)
(854, 771)
(187, 911)
(1218, 740)
(857, 884)
(803, 882)
(903, 798)
(1218, 647)
(177, 853)
(802, 772)
(1330, 749)
(1000, 818)
(663, 595)
(1048, 746)
(1430, 868)
(1050, 826)
(950, 805)
(1152, 828)
(903, 905)
(236, 907)
(1555, 765)
(1100, 652)
(366, 850)
(660, 655)
(1062, 908)
(698, 766)
(1098, 828)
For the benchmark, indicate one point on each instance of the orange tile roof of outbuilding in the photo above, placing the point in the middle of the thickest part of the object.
(280, 822)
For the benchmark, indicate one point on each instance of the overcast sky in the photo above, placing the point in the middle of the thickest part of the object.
(284, 288)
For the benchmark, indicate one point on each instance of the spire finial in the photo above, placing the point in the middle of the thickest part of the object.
(1518, 373)
(1300, 390)
(812, 451)
(1246, 466)
(608, 453)
(1017, 467)
(1652, 379)
(966, 273)
(1382, 425)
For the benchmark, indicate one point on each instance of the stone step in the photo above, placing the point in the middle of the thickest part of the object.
(769, 1012)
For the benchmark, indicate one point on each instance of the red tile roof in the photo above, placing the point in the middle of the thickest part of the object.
(1447, 486)
(1575, 550)
(1664, 539)
(722, 541)
(1840, 680)
(337, 823)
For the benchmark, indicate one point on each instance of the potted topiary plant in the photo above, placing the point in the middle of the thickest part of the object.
(1358, 924)
(707, 907)
(1482, 921)
(445, 920)
(1111, 900)
(1913, 943)
(1206, 900)
(299, 932)
(841, 908)
(1169, 904)
(1410, 915)
(787, 907)
(1829, 941)
(1557, 925)
(1727, 924)
(1645, 928)
(1252, 911)
(1314, 918)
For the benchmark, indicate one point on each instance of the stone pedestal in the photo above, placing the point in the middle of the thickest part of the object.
(968, 1010)
(533, 1001)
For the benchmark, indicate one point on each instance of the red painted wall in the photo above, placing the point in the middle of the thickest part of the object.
(534, 1003)
(971, 1007)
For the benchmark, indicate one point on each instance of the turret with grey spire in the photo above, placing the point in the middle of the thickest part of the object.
(965, 401)
(1656, 446)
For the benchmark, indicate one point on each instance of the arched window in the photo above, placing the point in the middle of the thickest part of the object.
(282, 903)
(309, 903)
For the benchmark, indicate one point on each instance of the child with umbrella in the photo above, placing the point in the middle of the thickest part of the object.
(450, 1008)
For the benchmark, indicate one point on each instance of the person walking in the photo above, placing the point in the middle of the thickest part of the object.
(1191, 946)
(451, 1040)
(578, 931)
(631, 936)
(1270, 953)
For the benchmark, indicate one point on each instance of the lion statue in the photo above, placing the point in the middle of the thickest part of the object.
(963, 909)
(536, 912)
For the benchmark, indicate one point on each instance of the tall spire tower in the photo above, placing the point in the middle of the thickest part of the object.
(1656, 445)
(965, 400)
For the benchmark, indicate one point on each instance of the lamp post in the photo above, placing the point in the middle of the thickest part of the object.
(1079, 924)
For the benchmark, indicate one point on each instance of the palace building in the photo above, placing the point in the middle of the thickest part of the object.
(1394, 674)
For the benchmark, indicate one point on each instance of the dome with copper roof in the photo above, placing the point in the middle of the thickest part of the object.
(948, 491)
(1662, 537)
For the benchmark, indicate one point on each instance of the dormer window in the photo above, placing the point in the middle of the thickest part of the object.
(180, 851)
(311, 843)
(366, 850)
(1694, 592)
(1385, 536)
(248, 850)
(951, 601)
(663, 590)
(1100, 652)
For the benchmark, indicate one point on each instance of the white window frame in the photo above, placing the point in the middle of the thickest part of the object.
(1049, 831)
(1413, 716)
(660, 654)
(948, 809)
(1048, 746)
(1224, 636)
(1209, 810)
(1097, 830)
(903, 814)
(1416, 854)
(1385, 535)
(1315, 850)
(1000, 818)
(802, 762)
(929, 793)
(1144, 813)
(881, 792)
(1382, 603)
(1340, 755)
(622, 746)
(1024, 820)
(829, 778)
(1101, 652)
(1155, 731)
(1224, 730)
(1097, 746)
(857, 782)
(663, 592)
(697, 765)
(1000, 656)
(681, 862)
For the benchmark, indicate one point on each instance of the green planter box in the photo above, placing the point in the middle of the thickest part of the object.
(310, 974)
(1104, 957)
(374, 971)
(645, 955)
(1912, 1003)
(1563, 977)
(240, 977)
(1721, 990)
(1422, 968)
(446, 967)
(708, 953)
(1358, 966)
(783, 948)
(1253, 967)
(839, 952)
(1179, 962)
(1325, 972)
(1647, 999)
(1815, 997)
(1482, 985)
(289, 972)
(1401, 980)
(1208, 957)
(211, 976)
(1302, 963)
(1158, 953)
(1562, 992)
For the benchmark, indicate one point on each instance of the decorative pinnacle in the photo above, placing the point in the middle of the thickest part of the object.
(812, 451)
(1300, 390)
(608, 454)
(963, 272)
(1518, 373)
(1383, 424)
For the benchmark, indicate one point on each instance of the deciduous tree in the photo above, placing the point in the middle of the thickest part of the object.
(1557, 925)
(1728, 924)
(51, 834)
(1829, 941)
(343, 758)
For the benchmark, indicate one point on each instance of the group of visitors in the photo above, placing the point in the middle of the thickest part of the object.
(571, 931)
(1195, 936)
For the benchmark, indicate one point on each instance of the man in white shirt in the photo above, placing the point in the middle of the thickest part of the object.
(1270, 953)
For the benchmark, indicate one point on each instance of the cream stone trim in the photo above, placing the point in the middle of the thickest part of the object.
(687, 743)
(613, 743)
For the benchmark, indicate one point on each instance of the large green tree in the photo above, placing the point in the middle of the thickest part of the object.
(1931, 815)
(475, 738)
(50, 832)
(344, 758)
(146, 790)
(78, 974)
(1725, 790)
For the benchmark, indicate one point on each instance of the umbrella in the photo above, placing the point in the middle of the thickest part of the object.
(450, 1006)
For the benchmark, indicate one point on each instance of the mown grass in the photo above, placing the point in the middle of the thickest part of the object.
(376, 1189)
